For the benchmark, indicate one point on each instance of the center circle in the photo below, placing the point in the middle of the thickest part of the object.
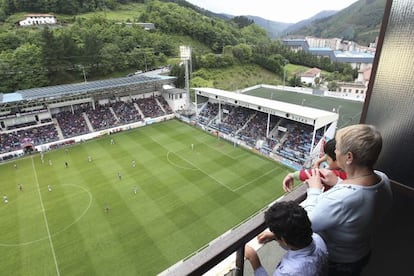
(76, 196)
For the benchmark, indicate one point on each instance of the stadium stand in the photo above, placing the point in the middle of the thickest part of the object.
(251, 126)
(288, 131)
(54, 115)
(12, 140)
(66, 112)
(101, 117)
(150, 107)
(126, 112)
(71, 123)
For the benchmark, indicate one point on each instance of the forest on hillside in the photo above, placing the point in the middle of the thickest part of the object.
(360, 22)
(9, 7)
(97, 47)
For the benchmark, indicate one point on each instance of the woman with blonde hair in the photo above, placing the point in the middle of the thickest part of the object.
(346, 215)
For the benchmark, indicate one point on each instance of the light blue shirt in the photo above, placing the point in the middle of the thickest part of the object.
(309, 261)
(346, 214)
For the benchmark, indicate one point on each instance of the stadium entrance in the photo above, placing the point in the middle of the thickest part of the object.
(27, 145)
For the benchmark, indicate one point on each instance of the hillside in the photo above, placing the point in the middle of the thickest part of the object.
(359, 22)
(106, 43)
(306, 22)
(273, 28)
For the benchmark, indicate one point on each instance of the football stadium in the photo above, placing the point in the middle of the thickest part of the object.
(116, 177)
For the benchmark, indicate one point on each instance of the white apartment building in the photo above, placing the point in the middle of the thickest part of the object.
(38, 19)
(353, 90)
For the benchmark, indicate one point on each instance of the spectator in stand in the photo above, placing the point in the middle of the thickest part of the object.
(101, 117)
(306, 251)
(39, 135)
(72, 123)
(346, 215)
(126, 112)
(149, 107)
(330, 157)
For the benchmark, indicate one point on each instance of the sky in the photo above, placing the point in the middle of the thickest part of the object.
(287, 11)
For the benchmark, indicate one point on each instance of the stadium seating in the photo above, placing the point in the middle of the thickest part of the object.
(79, 119)
(42, 134)
(251, 126)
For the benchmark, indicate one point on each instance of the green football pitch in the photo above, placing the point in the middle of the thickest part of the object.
(349, 110)
(187, 187)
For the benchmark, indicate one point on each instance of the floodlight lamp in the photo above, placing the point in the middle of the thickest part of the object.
(185, 52)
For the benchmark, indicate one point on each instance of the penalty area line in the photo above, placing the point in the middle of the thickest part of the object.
(236, 157)
(206, 173)
(254, 180)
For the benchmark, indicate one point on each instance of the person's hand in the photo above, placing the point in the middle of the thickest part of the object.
(319, 162)
(314, 179)
(328, 177)
(265, 237)
(288, 183)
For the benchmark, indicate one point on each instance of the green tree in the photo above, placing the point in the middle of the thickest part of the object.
(179, 72)
(332, 86)
(254, 35)
(70, 51)
(137, 59)
(52, 51)
(243, 53)
(90, 51)
(211, 61)
(295, 81)
(22, 69)
(7, 83)
(242, 21)
(29, 67)
(9, 41)
(8, 7)
(112, 59)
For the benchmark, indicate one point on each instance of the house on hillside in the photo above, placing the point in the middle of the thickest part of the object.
(38, 19)
(310, 76)
(353, 90)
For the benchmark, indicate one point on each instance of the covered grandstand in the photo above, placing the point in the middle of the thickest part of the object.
(116, 86)
(71, 112)
(274, 127)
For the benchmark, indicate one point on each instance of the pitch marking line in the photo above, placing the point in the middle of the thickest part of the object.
(226, 154)
(254, 180)
(64, 229)
(176, 165)
(206, 173)
(45, 219)
(212, 177)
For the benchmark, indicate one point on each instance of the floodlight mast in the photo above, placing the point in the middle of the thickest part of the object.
(285, 61)
(185, 53)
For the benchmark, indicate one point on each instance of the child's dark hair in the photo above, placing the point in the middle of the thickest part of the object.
(329, 149)
(288, 220)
